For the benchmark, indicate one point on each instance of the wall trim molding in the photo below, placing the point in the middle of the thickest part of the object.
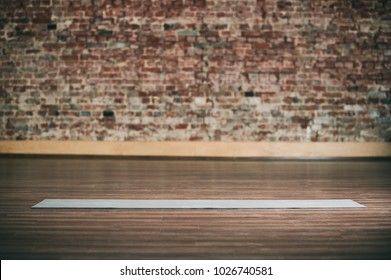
(199, 149)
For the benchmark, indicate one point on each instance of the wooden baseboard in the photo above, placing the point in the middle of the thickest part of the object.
(199, 149)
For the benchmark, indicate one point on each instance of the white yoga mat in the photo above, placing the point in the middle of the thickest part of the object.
(196, 204)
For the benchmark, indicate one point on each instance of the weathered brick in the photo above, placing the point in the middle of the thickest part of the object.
(188, 33)
(196, 70)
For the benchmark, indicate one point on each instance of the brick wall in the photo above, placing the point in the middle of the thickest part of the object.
(218, 70)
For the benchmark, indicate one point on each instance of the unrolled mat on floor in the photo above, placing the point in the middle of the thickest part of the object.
(195, 204)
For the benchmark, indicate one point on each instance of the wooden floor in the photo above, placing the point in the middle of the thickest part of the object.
(27, 233)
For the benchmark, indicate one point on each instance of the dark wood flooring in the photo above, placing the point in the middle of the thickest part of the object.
(27, 233)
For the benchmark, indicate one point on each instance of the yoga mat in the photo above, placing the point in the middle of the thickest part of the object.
(196, 204)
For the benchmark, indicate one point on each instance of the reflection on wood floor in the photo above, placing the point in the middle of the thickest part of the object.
(27, 233)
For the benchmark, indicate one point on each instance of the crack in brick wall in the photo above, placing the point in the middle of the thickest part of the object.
(208, 70)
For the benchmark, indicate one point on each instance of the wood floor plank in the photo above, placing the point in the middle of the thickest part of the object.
(27, 233)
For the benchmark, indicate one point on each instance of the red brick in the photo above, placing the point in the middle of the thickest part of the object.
(97, 58)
